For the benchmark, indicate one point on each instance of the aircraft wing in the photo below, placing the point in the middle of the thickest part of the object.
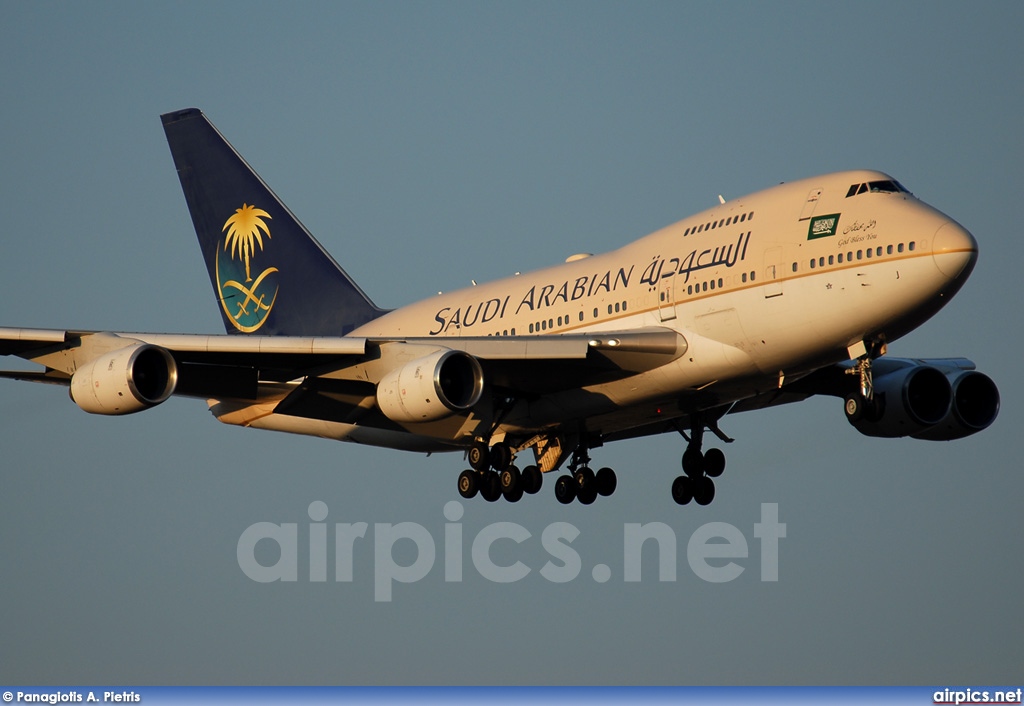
(215, 366)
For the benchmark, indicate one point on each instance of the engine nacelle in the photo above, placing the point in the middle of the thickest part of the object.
(907, 401)
(125, 380)
(975, 406)
(431, 388)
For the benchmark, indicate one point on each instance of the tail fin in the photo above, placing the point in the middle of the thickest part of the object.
(269, 274)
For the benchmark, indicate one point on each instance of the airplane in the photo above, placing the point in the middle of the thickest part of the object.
(763, 300)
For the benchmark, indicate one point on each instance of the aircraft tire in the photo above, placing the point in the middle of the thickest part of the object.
(490, 486)
(693, 463)
(856, 407)
(515, 495)
(714, 462)
(682, 490)
(469, 484)
(587, 494)
(565, 489)
(606, 481)
(533, 479)
(511, 480)
(704, 491)
(584, 478)
(479, 458)
(500, 456)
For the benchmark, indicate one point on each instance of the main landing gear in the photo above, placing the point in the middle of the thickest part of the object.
(699, 467)
(493, 475)
(582, 483)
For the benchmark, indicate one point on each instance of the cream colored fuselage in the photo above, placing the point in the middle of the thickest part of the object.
(764, 289)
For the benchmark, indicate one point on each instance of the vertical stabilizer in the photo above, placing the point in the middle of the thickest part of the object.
(270, 276)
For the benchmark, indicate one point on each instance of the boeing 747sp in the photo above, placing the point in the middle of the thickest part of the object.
(763, 300)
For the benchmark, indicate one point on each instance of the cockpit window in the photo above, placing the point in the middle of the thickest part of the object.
(888, 186)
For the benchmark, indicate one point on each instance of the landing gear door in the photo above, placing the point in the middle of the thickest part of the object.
(772, 273)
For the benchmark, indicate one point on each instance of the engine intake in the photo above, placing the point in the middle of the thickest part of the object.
(975, 406)
(432, 387)
(125, 380)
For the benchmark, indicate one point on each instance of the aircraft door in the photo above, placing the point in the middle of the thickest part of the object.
(810, 204)
(772, 273)
(667, 299)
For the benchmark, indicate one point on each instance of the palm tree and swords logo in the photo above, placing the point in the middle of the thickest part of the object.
(246, 301)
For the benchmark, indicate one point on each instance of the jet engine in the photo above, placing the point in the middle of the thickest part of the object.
(432, 387)
(125, 380)
(906, 402)
(975, 406)
(940, 401)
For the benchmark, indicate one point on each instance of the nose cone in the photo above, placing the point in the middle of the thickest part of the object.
(955, 251)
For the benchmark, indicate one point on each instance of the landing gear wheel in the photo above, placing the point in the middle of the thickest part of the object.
(682, 490)
(584, 478)
(606, 481)
(714, 462)
(565, 489)
(490, 486)
(587, 494)
(479, 458)
(704, 491)
(501, 456)
(856, 408)
(511, 480)
(469, 484)
(514, 496)
(533, 479)
(693, 462)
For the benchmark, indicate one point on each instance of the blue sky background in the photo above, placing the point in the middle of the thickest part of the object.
(429, 144)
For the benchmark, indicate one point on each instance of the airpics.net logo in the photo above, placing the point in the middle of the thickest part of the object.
(713, 551)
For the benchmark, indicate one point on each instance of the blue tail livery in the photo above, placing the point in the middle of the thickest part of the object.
(269, 274)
